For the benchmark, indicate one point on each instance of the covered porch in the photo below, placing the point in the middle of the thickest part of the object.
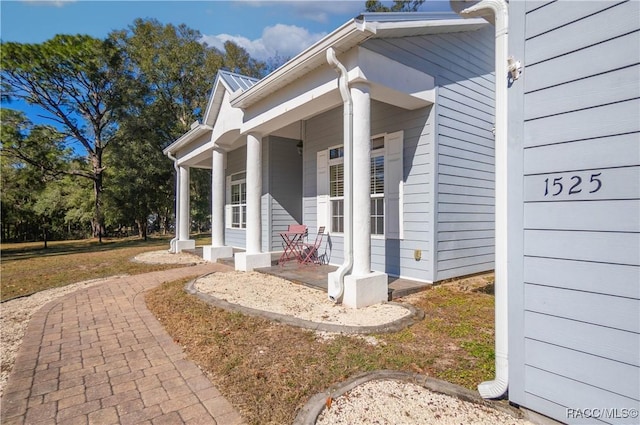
(315, 275)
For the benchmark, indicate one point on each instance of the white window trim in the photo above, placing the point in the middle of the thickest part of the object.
(380, 152)
(331, 162)
(229, 205)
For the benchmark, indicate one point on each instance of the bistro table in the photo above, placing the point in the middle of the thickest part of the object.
(292, 240)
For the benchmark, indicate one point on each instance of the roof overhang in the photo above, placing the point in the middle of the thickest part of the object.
(197, 131)
(388, 81)
(349, 35)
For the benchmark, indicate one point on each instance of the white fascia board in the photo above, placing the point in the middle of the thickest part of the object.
(431, 26)
(195, 155)
(391, 81)
(193, 134)
(342, 39)
(305, 97)
(215, 100)
(349, 34)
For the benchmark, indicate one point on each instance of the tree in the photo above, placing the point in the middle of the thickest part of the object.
(173, 73)
(236, 59)
(36, 193)
(398, 6)
(72, 78)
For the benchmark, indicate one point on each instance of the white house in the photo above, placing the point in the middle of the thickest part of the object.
(382, 132)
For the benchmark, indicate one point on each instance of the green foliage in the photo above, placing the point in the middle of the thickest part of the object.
(398, 6)
(135, 92)
(73, 79)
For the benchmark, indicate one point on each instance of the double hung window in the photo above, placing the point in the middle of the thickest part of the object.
(238, 200)
(336, 187)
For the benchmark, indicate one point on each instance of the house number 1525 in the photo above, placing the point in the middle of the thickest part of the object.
(572, 185)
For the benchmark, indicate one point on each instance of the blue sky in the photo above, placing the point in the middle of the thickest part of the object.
(263, 28)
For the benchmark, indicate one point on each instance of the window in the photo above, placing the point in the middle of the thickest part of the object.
(336, 187)
(239, 200)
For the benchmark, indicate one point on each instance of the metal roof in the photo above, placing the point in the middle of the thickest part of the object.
(235, 81)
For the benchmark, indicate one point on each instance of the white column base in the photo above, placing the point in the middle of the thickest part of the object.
(186, 244)
(247, 262)
(212, 253)
(366, 290)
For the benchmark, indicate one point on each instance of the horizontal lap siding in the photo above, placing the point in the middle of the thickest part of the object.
(285, 188)
(392, 256)
(462, 65)
(581, 269)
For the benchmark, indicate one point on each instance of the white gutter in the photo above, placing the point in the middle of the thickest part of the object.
(172, 243)
(336, 279)
(498, 387)
(194, 132)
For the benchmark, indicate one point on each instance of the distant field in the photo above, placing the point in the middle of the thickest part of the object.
(26, 268)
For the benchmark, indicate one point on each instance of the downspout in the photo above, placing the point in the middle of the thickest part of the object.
(498, 387)
(336, 283)
(172, 243)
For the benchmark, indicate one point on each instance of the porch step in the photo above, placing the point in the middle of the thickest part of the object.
(231, 262)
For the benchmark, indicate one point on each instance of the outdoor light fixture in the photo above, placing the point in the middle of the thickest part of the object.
(515, 69)
(299, 146)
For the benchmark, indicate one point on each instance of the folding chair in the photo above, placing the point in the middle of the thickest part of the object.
(292, 241)
(310, 251)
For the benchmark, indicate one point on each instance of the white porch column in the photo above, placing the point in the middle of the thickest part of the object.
(184, 223)
(253, 257)
(217, 249)
(361, 179)
(362, 287)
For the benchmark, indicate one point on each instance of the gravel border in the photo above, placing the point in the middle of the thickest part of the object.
(415, 315)
(310, 412)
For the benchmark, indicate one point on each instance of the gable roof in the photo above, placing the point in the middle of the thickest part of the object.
(349, 35)
(232, 83)
(235, 81)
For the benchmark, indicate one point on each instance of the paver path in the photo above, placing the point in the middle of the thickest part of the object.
(98, 356)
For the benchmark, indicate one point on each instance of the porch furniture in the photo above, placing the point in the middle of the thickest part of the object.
(309, 252)
(292, 241)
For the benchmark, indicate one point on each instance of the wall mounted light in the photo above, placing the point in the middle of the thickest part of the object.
(299, 146)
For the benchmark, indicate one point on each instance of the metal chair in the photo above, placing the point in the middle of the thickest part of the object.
(309, 252)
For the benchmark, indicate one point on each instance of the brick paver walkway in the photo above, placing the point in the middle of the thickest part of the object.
(98, 356)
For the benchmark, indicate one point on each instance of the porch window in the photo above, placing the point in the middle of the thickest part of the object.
(336, 187)
(239, 200)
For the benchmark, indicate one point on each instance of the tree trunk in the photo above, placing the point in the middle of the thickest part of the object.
(142, 229)
(98, 218)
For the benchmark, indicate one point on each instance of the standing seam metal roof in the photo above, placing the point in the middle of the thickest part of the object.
(236, 81)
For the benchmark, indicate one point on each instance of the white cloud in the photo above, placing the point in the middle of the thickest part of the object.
(282, 40)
